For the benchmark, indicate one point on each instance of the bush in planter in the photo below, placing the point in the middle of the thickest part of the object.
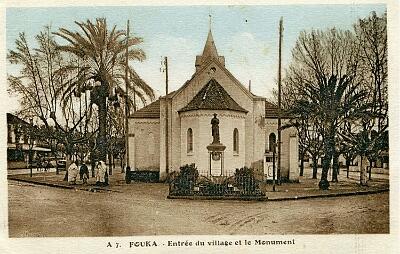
(189, 171)
(185, 180)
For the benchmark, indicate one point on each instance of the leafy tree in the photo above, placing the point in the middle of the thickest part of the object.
(367, 137)
(371, 34)
(41, 77)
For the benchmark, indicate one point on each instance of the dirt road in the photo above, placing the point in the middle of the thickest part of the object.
(39, 211)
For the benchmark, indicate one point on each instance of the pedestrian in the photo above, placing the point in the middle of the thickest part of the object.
(101, 170)
(97, 173)
(39, 164)
(73, 172)
(84, 173)
(46, 165)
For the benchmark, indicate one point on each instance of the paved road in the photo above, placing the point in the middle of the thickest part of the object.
(144, 210)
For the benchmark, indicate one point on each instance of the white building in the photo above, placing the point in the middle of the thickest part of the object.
(247, 125)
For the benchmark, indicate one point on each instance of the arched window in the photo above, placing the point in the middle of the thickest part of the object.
(189, 140)
(235, 141)
(271, 141)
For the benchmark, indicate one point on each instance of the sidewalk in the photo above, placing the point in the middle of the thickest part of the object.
(51, 179)
(306, 188)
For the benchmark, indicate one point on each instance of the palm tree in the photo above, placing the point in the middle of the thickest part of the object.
(101, 55)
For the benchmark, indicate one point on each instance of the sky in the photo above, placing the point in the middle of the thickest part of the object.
(246, 35)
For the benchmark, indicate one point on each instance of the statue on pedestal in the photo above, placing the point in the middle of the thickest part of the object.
(215, 129)
(216, 149)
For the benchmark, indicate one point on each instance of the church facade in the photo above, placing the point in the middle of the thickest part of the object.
(176, 129)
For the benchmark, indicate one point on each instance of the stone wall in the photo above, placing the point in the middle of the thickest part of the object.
(200, 122)
(144, 143)
(289, 149)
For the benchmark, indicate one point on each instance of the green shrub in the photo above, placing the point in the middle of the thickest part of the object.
(185, 180)
(245, 181)
(189, 171)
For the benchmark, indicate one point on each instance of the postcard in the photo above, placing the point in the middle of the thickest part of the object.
(204, 127)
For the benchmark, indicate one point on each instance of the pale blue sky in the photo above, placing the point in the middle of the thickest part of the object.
(246, 35)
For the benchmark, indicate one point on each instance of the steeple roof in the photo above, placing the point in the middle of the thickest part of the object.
(209, 48)
(213, 97)
(209, 52)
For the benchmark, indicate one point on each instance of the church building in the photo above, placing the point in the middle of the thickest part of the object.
(214, 121)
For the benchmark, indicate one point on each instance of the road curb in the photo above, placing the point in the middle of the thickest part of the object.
(41, 183)
(328, 195)
(262, 198)
(61, 186)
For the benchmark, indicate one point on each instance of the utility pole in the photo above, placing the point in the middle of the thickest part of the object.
(126, 99)
(31, 143)
(279, 100)
(250, 85)
(273, 166)
(166, 117)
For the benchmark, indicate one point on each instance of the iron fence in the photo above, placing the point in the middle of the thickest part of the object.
(236, 185)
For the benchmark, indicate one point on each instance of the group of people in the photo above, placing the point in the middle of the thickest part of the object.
(76, 167)
(42, 164)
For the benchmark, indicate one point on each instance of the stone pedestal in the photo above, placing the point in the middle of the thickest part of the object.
(216, 159)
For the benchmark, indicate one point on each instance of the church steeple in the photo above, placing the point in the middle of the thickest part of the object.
(209, 51)
(209, 48)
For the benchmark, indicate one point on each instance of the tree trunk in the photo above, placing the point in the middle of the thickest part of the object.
(324, 183)
(122, 159)
(335, 167)
(363, 173)
(67, 163)
(370, 170)
(30, 160)
(92, 165)
(329, 149)
(347, 167)
(315, 167)
(110, 164)
(102, 138)
(302, 164)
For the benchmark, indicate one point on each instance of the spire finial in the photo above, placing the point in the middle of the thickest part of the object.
(209, 24)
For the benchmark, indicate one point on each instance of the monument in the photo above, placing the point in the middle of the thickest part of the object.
(216, 149)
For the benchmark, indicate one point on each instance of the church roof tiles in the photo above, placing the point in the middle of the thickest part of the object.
(213, 96)
(150, 111)
(271, 110)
